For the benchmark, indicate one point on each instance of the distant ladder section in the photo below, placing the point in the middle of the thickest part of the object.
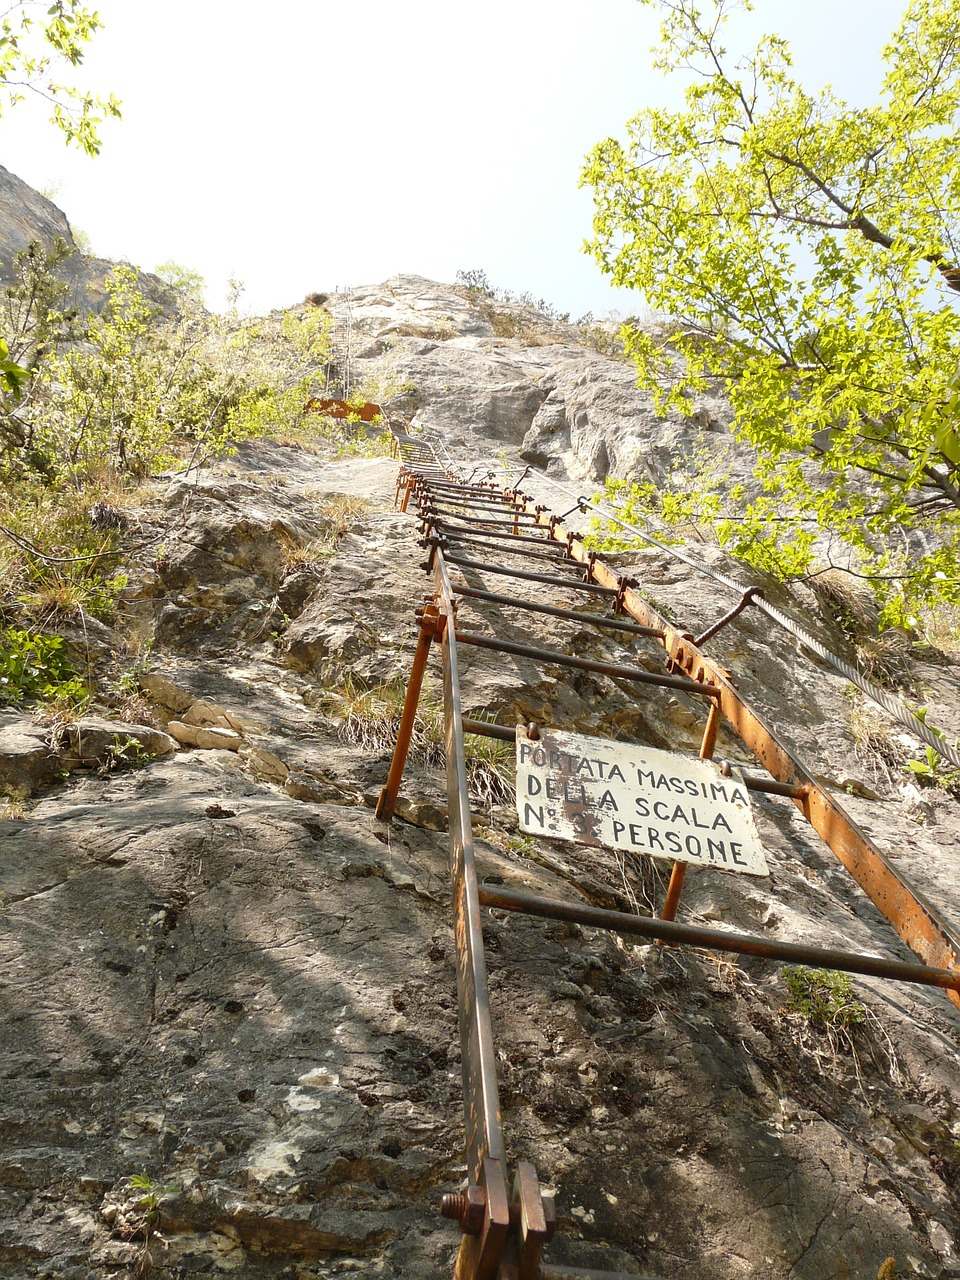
(338, 375)
(475, 530)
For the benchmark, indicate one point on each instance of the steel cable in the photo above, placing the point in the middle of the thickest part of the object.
(894, 707)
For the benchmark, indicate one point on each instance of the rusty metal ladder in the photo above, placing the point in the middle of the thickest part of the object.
(505, 1219)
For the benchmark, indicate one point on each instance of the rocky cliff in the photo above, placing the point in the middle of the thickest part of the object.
(491, 376)
(26, 215)
(229, 1026)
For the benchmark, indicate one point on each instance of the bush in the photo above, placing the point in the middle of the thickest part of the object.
(34, 668)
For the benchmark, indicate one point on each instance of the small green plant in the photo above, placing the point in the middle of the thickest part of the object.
(603, 338)
(362, 445)
(825, 1018)
(824, 998)
(518, 844)
(125, 753)
(144, 1222)
(179, 277)
(476, 282)
(932, 770)
(153, 1194)
(34, 668)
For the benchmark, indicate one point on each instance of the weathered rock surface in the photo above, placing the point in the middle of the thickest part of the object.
(26, 215)
(27, 760)
(542, 395)
(93, 741)
(222, 973)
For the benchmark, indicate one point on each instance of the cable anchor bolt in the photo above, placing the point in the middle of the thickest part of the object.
(751, 594)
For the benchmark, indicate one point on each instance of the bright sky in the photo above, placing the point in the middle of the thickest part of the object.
(320, 145)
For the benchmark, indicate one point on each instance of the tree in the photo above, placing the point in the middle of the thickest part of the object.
(31, 50)
(807, 254)
(183, 278)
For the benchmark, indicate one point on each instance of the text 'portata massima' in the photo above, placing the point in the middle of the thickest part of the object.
(621, 796)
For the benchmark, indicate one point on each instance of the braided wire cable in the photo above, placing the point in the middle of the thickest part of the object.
(895, 707)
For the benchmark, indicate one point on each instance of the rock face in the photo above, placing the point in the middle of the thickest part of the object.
(542, 395)
(229, 1029)
(26, 215)
(224, 975)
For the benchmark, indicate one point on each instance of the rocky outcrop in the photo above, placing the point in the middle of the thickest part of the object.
(26, 215)
(27, 761)
(541, 395)
(224, 974)
(229, 1032)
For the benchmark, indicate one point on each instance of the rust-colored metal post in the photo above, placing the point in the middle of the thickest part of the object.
(431, 627)
(534, 1220)
(678, 874)
(674, 890)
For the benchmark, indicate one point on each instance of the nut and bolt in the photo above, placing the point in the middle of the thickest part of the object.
(466, 1207)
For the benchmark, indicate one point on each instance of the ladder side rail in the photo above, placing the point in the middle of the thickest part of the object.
(920, 925)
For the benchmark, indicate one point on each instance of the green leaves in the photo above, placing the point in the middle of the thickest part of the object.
(29, 52)
(34, 668)
(13, 377)
(804, 255)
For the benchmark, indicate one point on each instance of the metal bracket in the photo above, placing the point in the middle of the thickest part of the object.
(624, 584)
(751, 594)
(581, 506)
(502, 1241)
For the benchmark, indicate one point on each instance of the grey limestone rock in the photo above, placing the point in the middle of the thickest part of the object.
(92, 741)
(27, 761)
(26, 215)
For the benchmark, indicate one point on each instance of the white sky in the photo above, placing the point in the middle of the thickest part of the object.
(316, 145)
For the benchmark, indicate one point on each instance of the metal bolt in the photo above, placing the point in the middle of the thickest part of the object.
(453, 1205)
(466, 1207)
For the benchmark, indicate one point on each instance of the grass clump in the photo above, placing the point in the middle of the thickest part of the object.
(370, 718)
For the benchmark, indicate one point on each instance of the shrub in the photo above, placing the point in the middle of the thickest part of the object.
(34, 668)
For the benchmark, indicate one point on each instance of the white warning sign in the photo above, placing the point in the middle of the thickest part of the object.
(620, 796)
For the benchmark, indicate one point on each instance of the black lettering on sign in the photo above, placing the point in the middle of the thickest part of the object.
(717, 849)
(692, 846)
(531, 813)
(588, 825)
